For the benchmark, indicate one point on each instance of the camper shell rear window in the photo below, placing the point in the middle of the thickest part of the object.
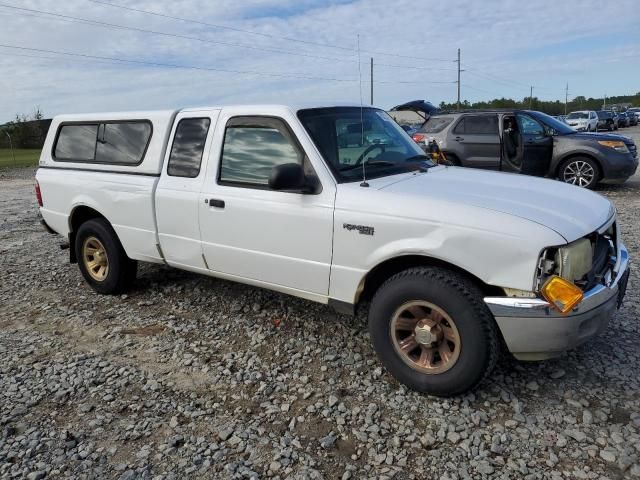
(111, 142)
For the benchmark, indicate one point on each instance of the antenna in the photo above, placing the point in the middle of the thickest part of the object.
(364, 172)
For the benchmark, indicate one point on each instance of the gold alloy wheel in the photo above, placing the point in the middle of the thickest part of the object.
(425, 337)
(95, 259)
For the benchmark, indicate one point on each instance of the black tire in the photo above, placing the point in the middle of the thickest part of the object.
(588, 128)
(463, 302)
(573, 164)
(121, 271)
(453, 160)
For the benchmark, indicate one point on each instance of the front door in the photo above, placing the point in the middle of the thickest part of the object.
(537, 146)
(249, 231)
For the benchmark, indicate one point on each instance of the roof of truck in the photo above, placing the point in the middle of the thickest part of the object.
(139, 114)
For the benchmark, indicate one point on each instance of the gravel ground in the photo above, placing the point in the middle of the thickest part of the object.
(188, 376)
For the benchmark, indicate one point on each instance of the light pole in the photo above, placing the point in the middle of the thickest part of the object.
(13, 157)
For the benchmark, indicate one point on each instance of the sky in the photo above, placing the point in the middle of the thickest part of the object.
(305, 52)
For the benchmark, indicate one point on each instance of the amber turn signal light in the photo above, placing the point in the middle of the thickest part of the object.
(561, 293)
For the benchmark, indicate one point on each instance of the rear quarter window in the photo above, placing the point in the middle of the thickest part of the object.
(114, 143)
(436, 124)
(76, 143)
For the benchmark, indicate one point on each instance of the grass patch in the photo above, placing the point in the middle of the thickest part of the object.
(23, 158)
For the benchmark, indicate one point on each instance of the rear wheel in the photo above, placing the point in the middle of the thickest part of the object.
(101, 258)
(580, 171)
(433, 332)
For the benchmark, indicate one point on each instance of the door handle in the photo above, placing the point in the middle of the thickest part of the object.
(216, 203)
(459, 139)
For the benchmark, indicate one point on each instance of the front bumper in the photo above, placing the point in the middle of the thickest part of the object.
(534, 330)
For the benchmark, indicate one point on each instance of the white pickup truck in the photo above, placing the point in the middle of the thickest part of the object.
(338, 205)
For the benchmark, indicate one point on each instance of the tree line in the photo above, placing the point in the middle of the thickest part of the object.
(552, 107)
(25, 130)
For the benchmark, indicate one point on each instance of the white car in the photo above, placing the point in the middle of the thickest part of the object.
(583, 120)
(455, 262)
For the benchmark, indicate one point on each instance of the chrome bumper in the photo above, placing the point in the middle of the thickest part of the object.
(534, 330)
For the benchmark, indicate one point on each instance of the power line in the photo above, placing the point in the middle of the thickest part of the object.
(170, 65)
(173, 35)
(117, 60)
(72, 19)
(222, 27)
(267, 35)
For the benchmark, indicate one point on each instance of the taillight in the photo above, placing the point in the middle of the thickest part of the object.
(38, 194)
(418, 137)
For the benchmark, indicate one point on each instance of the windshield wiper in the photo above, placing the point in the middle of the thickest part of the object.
(417, 157)
(378, 162)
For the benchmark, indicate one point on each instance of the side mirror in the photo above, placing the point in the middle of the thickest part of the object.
(288, 176)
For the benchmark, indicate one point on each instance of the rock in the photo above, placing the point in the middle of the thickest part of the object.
(176, 441)
(484, 467)
(333, 400)
(608, 456)
(577, 435)
(559, 373)
(453, 437)
(533, 386)
(328, 442)
(36, 475)
(224, 434)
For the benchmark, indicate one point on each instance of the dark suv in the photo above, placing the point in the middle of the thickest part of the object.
(606, 120)
(532, 143)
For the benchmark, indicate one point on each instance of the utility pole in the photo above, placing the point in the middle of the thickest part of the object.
(604, 107)
(371, 80)
(530, 97)
(566, 98)
(458, 79)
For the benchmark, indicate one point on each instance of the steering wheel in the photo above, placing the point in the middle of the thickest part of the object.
(368, 150)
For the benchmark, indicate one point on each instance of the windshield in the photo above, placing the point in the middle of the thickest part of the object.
(348, 136)
(576, 115)
(557, 127)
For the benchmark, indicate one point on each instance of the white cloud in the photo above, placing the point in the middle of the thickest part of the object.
(543, 43)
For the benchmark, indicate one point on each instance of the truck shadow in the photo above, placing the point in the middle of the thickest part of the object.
(538, 381)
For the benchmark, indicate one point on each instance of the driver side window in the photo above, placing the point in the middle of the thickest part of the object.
(528, 126)
(253, 146)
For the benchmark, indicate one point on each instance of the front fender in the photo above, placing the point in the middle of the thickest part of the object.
(500, 249)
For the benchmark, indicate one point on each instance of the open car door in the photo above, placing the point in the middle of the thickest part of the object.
(526, 148)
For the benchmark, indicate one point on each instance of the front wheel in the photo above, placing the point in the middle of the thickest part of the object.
(433, 332)
(580, 171)
(101, 258)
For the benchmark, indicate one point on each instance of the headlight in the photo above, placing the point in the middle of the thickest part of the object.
(574, 261)
(615, 144)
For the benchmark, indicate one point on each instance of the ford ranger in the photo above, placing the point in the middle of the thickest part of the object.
(338, 205)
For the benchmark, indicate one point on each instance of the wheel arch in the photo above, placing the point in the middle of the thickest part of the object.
(389, 267)
(562, 160)
(79, 215)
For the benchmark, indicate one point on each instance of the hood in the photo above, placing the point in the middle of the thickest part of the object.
(600, 136)
(570, 211)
